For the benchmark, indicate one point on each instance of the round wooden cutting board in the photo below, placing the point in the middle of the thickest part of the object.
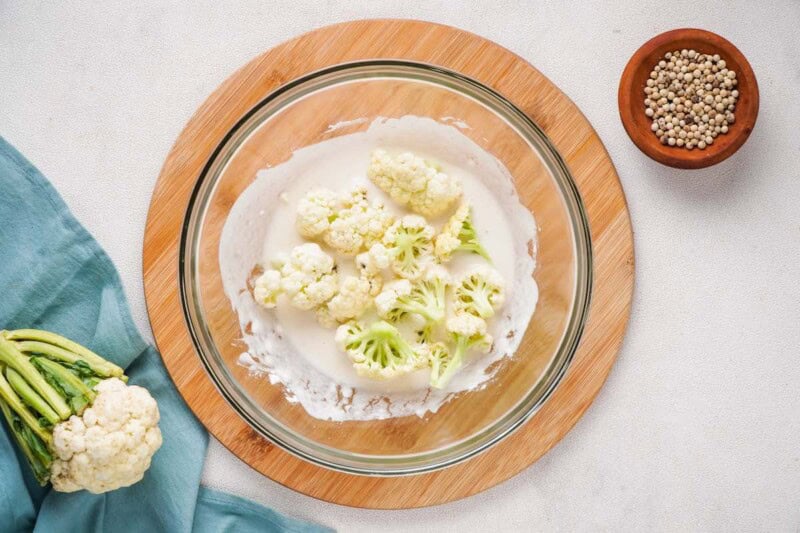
(495, 67)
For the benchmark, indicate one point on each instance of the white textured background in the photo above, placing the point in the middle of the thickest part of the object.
(698, 427)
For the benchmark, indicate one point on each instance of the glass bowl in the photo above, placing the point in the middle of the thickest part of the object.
(299, 114)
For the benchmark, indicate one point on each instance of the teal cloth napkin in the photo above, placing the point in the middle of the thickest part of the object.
(55, 276)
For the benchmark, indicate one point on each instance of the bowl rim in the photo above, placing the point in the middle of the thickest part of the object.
(674, 156)
(283, 437)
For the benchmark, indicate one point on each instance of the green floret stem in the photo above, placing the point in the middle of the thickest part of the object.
(469, 240)
(13, 358)
(13, 401)
(462, 345)
(29, 396)
(56, 353)
(101, 366)
(383, 344)
(428, 310)
(75, 390)
(476, 298)
(31, 445)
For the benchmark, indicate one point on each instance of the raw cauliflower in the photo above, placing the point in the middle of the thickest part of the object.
(352, 299)
(357, 224)
(309, 276)
(410, 181)
(409, 242)
(268, 288)
(111, 444)
(480, 291)
(315, 211)
(371, 265)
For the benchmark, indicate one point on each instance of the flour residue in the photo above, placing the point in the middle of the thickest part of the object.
(288, 347)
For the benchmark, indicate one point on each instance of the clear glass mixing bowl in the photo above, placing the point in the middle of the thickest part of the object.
(299, 114)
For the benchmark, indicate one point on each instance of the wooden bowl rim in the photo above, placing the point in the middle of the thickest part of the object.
(680, 157)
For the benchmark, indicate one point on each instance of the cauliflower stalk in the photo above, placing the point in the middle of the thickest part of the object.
(410, 246)
(412, 182)
(480, 292)
(378, 351)
(425, 297)
(467, 331)
(459, 234)
(78, 423)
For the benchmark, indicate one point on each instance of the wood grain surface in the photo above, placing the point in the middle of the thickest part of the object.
(490, 64)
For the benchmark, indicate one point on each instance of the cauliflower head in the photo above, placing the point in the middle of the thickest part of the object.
(315, 211)
(480, 291)
(378, 351)
(111, 444)
(267, 288)
(309, 276)
(410, 181)
(352, 299)
(410, 246)
(357, 224)
(459, 234)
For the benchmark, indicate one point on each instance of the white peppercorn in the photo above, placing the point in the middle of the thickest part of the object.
(690, 98)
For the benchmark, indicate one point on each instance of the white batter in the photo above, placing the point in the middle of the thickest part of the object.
(290, 347)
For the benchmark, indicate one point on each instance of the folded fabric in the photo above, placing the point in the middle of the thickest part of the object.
(56, 277)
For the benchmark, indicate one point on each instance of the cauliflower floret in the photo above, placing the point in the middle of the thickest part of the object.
(480, 291)
(459, 234)
(371, 265)
(467, 331)
(315, 211)
(268, 288)
(309, 276)
(357, 225)
(373, 261)
(410, 246)
(410, 181)
(378, 352)
(425, 298)
(111, 444)
(386, 303)
(352, 299)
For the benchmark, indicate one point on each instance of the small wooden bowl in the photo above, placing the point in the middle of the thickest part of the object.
(631, 98)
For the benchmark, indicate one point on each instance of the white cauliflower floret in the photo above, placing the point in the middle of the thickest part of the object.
(459, 234)
(378, 351)
(386, 303)
(352, 299)
(309, 276)
(410, 246)
(425, 297)
(268, 288)
(480, 291)
(410, 181)
(373, 261)
(371, 265)
(357, 224)
(315, 211)
(111, 444)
